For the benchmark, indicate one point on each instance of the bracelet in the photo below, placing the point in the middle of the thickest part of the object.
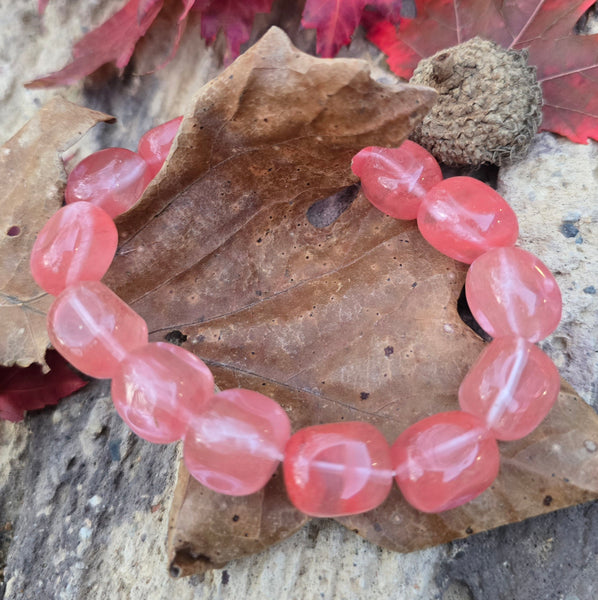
(234, 439)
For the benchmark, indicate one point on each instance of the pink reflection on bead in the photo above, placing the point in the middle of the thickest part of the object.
(512, 387)
(337, 469)
(155, 144)
(94, 329)
(158, 387)
(445, 461)
(112, 179)
(463, 218)
(235, 446)
(77, 244)
(395, 180)
(511, 292)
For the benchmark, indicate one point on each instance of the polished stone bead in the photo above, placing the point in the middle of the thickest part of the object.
(235, 446)
(511, 292)
(94, 329)
(155, 144)
(444, 461)
(337, 469)
(395, 180)
(511, 386)
(77, 244)
(158, 387)
(113, 179)
(463, 218)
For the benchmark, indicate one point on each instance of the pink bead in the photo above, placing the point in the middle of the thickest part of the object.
(94, 329)
(235, 446)
(511, 292)
(113, 179)
(337, 469)
(155, 144)
(445, 461)
(158, 387)
(463, 218)
(395, 180)
(77, 244)
(511, 387)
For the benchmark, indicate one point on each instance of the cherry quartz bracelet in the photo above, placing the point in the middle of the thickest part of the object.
(234, 440)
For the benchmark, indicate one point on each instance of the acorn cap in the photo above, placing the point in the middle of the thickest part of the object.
(489, 104)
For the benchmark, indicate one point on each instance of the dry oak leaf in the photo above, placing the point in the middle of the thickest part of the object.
(352, 319)
(32, 181)
(566, 62)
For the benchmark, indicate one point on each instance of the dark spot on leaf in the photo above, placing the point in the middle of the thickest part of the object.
(589, 290)
(323, 213)
(13, 231)
(364, 395)
(547, 500)
(469, 531)
(225, 577)
(377, 527)
(175, 337)
(388, 350)
(235, 518)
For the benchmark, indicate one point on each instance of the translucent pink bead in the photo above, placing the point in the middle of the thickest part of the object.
(155, 144)
(463, 218)
(511, 292)
(77, 244)
(511, 386)
(235, 446)
(337, 469)
(445, 461)
(395, 180)
(158, 387)
(94, 329)
(113, 179)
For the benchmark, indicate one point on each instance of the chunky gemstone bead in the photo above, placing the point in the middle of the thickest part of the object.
(155, 144)
(235, 446)
(511, 386)
(445, 461)
(77, 244)
(94, 329)
(463, 218)
(158, 387)
(511, 292)
(395, 180)
(337, 469)
(113, 179)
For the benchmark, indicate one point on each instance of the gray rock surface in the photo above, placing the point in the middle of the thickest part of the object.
(84, 504)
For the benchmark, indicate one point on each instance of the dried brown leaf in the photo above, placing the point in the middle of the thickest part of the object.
(351, 320)
(32, 182)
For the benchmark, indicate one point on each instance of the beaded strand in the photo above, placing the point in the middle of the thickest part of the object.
(235, 439)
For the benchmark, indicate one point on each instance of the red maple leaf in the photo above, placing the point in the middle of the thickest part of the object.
(29, 388)
(567, 63)
(335, 20)
(113, 41)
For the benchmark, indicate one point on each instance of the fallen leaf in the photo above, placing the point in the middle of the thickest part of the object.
(336, 20)
(353, 319)
(32, 181)
(29, 388)
(113, 41)
(233, 17)
(569, 76)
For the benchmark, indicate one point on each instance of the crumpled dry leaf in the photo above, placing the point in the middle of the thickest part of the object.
(32, 181)
(352, 320)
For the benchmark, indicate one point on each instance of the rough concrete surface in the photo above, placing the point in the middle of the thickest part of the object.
(84, 504)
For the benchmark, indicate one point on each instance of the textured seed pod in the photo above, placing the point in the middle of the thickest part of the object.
(489, 104)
